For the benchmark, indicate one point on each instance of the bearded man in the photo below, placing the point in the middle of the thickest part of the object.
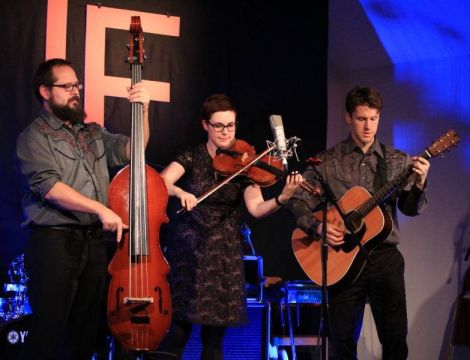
(64, 163)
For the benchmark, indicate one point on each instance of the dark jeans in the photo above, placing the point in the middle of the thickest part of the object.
(67, 272)
(173, 344)
(382, 282)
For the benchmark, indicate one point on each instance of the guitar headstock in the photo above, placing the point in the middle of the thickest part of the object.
(444, 144)
(136, 44)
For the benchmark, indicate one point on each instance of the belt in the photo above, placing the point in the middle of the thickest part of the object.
(72, 228)
(77, 227)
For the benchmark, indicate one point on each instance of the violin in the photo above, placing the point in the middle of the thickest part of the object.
(264, 170)
(238, 159)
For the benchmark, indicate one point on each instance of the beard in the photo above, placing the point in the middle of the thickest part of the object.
(76, 115)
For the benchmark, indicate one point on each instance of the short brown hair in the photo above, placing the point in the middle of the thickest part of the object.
(44, 74)
(215, 103)
(363, 95)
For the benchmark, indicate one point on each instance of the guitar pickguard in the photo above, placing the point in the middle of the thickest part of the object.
(352, 240)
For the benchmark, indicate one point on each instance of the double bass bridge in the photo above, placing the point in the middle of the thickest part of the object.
(138, 301)
(140, 305)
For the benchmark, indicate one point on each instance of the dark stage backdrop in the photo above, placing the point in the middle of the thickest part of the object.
(269, 56)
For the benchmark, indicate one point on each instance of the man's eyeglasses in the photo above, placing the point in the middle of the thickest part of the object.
(68, 87)
(220, 127)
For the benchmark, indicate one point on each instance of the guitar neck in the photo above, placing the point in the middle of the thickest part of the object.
(387, 190)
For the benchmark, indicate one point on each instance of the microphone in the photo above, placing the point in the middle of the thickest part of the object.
(280, 138)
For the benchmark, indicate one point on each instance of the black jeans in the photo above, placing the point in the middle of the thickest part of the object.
(173, 344)
(67, 273)
(382, 282)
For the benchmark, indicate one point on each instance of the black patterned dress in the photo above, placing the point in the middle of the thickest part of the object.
(205, 254)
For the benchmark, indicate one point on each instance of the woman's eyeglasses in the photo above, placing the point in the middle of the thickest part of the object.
(220, 127)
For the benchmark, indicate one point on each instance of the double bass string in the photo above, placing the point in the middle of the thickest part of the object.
(138, 208)
(140, 235)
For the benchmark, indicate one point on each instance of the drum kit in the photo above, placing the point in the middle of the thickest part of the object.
(14, 299)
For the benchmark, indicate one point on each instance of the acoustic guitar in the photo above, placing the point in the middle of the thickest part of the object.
(366, 215)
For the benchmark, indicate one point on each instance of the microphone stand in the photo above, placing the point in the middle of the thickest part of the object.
(324, 289)
(324, 308)
(326, 198)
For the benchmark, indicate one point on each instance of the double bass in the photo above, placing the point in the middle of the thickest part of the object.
(139, 304)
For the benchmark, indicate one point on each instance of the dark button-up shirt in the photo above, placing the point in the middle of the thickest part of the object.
(344, 166)
(49, 152)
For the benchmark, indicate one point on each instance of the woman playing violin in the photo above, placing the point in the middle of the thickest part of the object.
(205, 254)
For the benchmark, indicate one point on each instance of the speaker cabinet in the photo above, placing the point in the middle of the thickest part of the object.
(247, 342)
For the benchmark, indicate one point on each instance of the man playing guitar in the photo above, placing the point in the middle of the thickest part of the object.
(361, 160)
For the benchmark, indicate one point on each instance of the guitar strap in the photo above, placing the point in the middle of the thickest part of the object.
(381, 179)
(381, 169)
